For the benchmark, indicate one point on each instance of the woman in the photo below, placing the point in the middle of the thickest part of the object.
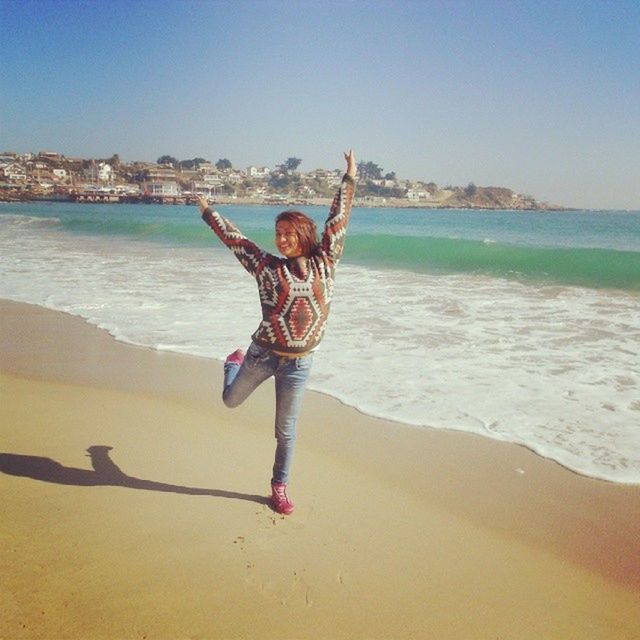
(295, 294)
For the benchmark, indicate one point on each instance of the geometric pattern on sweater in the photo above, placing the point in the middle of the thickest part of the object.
(295, 307)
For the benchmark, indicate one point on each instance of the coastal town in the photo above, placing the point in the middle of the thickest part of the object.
(48, 175)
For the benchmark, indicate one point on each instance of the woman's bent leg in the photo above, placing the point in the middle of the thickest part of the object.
(241, 380)
(291, 379)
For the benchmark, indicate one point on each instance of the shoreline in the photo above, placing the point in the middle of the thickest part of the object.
(455, 532)
(391, 203)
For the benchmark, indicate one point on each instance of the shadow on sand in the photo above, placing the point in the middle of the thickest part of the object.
(105, 473)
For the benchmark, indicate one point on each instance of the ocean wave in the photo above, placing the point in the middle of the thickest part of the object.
(20, 220)
(576, 266)
(149, 230)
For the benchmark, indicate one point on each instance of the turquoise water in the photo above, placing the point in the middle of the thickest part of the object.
(582, 248)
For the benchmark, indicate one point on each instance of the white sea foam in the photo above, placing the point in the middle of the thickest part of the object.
(553, 368)
(18, 220)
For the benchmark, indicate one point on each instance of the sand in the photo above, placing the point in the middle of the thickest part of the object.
(134, 506)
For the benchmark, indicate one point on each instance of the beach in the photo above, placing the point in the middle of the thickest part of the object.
(134, 506)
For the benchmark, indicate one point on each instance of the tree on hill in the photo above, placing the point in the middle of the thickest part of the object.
(283, 181)
(167, 160)
(369, 171)
(191, 164)
(223, 164)
(290, 164)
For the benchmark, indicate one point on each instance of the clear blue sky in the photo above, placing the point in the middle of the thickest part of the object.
(540, 96)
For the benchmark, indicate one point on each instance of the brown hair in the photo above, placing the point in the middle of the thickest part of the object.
(305, 227)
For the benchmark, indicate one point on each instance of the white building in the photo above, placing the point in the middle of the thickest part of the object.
(99, 172)
(413, 194)
(13, 171)
(161, 189)
(206, 188)
(234, 177)
(258, 172)
(212, 179)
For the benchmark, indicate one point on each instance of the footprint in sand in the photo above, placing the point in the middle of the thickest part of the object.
(299, 583)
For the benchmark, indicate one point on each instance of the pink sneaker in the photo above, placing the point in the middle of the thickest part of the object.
(237, 357)
(281, 501)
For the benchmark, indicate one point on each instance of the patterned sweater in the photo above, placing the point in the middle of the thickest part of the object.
(295, 307)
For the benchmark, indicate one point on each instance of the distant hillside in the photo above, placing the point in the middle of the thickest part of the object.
(492, 198)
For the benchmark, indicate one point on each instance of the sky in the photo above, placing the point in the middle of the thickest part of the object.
(542, 97)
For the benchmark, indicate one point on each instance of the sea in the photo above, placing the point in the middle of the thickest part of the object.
(518, 326)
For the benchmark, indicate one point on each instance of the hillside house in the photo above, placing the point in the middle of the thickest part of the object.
(416, 195)
(98, 172)
(159, 173)
(258, 172)
(165, 188)
(13, 172)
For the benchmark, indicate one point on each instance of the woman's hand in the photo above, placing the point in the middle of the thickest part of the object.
(203, 203)
(351, 163)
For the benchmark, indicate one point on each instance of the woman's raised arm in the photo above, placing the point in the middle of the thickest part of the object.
(350, 157)
(249, 254)
(335, 228)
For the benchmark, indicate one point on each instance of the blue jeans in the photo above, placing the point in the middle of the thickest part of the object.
(290, 376)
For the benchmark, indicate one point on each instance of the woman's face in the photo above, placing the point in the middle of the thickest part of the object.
(287, 240)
